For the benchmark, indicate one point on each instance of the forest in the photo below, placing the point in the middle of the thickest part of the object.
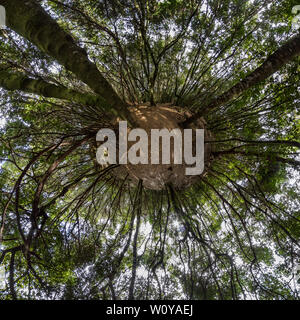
(74, 229)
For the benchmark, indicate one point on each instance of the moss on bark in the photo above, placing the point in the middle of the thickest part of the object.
(12, 80)
(31, 21)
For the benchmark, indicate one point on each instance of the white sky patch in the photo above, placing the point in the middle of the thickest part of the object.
(2, 122)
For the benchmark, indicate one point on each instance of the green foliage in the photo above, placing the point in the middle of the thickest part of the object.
(71, 229)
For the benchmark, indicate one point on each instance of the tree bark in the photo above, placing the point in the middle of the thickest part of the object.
(13, 80)
(274, 62)
(31, 21)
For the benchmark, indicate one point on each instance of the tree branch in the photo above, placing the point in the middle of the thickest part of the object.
(31, 21)
(12, 80)
(291, 162)
(274, 62)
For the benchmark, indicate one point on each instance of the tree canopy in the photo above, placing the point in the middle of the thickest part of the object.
(70, 229)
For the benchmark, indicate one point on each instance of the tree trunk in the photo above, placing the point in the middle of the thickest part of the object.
(31, 21)
(12, 80)
(274, 62)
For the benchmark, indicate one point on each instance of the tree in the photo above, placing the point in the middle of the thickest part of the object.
(72, 229)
